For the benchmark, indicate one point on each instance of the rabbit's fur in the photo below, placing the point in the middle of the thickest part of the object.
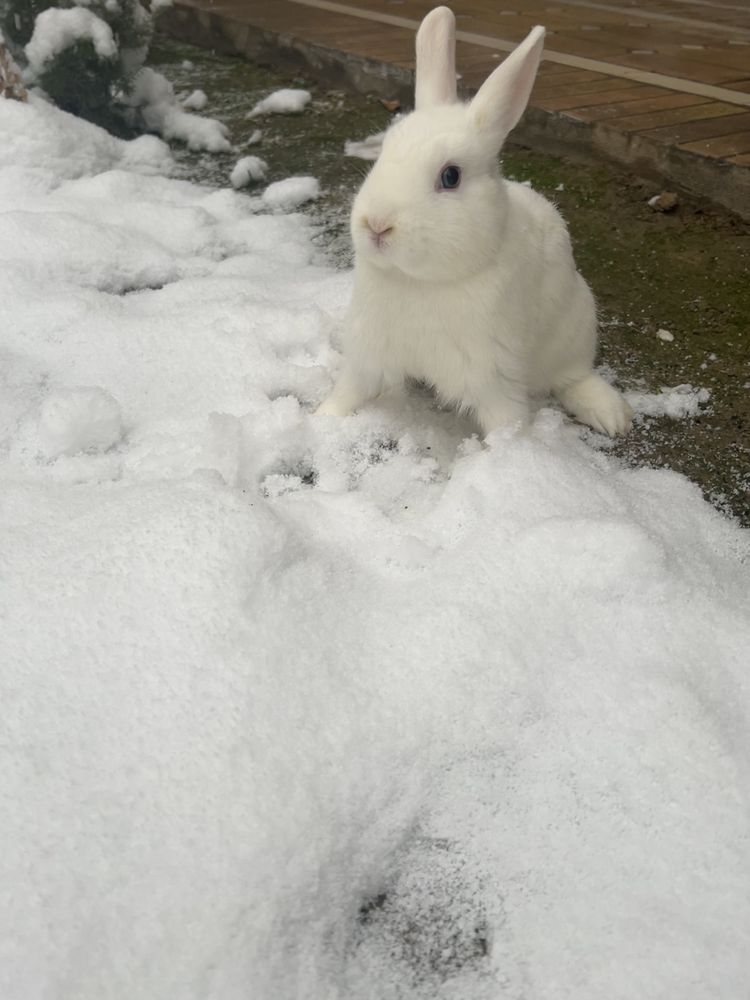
(472, 289)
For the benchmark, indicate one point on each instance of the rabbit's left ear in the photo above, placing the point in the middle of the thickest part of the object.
(502, 98)
(436, 60)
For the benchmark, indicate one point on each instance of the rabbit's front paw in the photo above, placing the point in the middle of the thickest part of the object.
(352, 389)
(333, 407)
(596, 403)
(501, 411)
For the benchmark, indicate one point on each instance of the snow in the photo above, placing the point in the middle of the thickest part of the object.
(290, 193)
(366, 149)
(46, 146)
(195, 101)
(56, 30)
(665, 335)
(302, 707)
(162, 113)
(678, 402)
(246, 170)
(77, 420)
(282, 102)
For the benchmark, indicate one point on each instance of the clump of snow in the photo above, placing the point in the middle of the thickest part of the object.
(195, 101)
(187, 64)
(366, 149)
(678, 402)
(288, 194)
(77, 420)
(51, 145)
(307, 707)
(255, 137)
(246, 170)
(154, 95)
(56, 29)
(282, 102)
(665, 335)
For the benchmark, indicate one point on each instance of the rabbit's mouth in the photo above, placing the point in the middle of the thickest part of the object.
(380, 240)
(378, 231)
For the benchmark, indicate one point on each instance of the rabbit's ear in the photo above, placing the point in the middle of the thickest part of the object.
(502, 98)
(436, 60)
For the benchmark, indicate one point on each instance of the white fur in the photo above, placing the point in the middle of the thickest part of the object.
(473, 290)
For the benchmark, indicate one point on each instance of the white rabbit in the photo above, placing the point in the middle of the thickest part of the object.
(461, 278)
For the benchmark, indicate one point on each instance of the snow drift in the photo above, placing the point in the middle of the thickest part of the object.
(317, 708)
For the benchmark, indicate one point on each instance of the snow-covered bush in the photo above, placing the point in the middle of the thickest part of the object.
(82, 56)
(88, 57)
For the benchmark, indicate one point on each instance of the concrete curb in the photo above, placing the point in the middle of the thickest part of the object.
(717, 180)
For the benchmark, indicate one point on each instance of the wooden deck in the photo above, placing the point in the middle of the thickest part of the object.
(660, 85)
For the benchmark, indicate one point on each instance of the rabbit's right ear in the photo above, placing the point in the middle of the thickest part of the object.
(436, 60)
(502, 98)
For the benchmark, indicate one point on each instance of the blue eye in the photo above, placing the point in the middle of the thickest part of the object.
(450, 177)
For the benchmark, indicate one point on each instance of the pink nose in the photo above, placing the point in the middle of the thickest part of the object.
(378, 231)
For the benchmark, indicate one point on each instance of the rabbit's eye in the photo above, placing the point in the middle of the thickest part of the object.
(450, 177)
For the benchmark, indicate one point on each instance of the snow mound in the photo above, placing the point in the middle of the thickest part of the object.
(79, 419)
(56, 30)
(282, 102)
(66, 247)
(246, 170)
(51, 145)
(299, 707)
(195, 101)
(678, 403)
(283, 196)
(154, 95)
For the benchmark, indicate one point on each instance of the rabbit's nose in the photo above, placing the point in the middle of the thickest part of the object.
(378, 229)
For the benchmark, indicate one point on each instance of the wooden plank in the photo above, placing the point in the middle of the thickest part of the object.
(678, 21)
(607, 83)
(620, 68)
(671, 116)
(551, 73)
(690, 131)
(603, 112)
(680, 68)
(611, 97)
(726, 145)
(740, 161)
